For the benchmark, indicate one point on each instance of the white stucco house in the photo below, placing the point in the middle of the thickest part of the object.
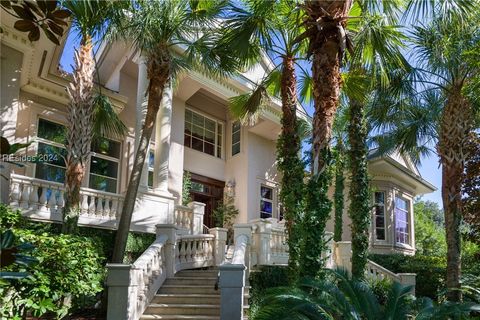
(194, 132)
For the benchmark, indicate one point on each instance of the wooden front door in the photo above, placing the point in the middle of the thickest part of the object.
(208, 191)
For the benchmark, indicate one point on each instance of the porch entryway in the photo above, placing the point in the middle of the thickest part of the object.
(209, 191)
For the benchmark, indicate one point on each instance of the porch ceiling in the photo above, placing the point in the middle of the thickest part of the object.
(267, 129)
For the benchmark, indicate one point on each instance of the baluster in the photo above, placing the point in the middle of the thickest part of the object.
(119, 208)
(106, 209)
(33, 199)
(177, 253)
(43, 198)
(184, 219)
(91, 205)
(189, 251)
(84, 205)
(14, 193)
(52, 202)
(61, 200)
(25, 196)
(99, 210)
(209, 249)
(114, 208)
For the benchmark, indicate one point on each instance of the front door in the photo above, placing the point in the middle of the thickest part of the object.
(208, 191)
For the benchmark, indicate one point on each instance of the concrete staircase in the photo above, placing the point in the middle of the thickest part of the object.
(191, 294)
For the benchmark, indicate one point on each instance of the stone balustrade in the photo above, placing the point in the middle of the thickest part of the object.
(44, 200)
(183, 217)
(377, 272)
(194, 251)
(132, 287)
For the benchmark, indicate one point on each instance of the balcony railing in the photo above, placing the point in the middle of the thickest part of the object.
(45, 200)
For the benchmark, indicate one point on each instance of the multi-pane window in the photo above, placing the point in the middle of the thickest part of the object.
(104, 165)
(401, 221)
(151, 161)
(104, 159)
(379, 215)
(266, 202)
(51, 139)
(203, 134)
(236, 138)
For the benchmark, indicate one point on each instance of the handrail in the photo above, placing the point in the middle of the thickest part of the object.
(374, 268)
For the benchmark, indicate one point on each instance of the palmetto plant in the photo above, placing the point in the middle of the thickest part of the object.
(440, 114)
(340, 297)
(89, 18)
(173, 36)
(272, 27)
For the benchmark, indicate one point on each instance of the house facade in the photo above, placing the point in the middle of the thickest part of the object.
(194, 133)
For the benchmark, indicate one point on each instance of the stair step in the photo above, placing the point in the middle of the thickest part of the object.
(187, 298)
(188, 289)
(185, 309)
(179, 317)
(192, 280)
(197, 273)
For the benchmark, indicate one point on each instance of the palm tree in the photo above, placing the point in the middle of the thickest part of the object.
(441, 115)
(159, 29)
(89, 18)
(273, 27)
(340, 297)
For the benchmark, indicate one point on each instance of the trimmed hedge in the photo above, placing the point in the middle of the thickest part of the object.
(265, 278)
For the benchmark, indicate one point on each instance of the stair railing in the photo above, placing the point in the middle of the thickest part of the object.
(233, 275)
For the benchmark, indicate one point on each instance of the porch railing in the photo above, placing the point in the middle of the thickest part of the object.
(45, 200)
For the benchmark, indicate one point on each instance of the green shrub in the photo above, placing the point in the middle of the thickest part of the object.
(430, 271)
(381, 289)
(69, 269)
(262, 280)
(137, 243)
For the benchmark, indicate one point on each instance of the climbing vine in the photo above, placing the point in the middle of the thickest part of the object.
(317, 211)
(291, 194)
(359, 210)
(338, 197)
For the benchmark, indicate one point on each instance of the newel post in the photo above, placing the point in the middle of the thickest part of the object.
(343, 255)
(170, 230)
(122, 283)
(265, 235)
(198, 212)
(408, 279)
(219, 244)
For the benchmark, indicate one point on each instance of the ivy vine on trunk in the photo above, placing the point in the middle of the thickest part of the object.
(338, 197)
(359, 209)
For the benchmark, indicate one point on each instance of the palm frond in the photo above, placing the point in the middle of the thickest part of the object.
(248, 107)
(107, 123)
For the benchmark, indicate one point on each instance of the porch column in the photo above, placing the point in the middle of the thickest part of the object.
(162, 141)
(141, 110)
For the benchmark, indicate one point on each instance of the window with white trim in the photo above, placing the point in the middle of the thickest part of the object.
(266, 202)
(104, 158)
(380, 225)
(236, 127)
(203, 133)
(104, 164)
(151, 161)
(51, 146)
(402, 221)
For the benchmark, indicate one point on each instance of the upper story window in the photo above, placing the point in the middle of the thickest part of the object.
(51, 148)
(379, 215)
(151, 161)
(266, 202)
(402, 221)
(203, 133)
(104, 159)
(236, 137)
(104, 165)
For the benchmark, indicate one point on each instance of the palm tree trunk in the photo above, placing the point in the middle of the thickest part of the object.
(453, 142)
(359, 209)
(79, 131)
(158, 73)
(289, 164)
(338, 198)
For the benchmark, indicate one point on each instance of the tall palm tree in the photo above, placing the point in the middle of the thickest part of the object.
(159, 29)
(441, 115)
(274, 27)
(89, 18)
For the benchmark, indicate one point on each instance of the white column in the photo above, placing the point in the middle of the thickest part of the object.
(141, 110)
(162, 141)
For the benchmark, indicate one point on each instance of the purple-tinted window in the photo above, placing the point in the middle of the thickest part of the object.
(380, 215)
(401, 221)
(266, 202)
